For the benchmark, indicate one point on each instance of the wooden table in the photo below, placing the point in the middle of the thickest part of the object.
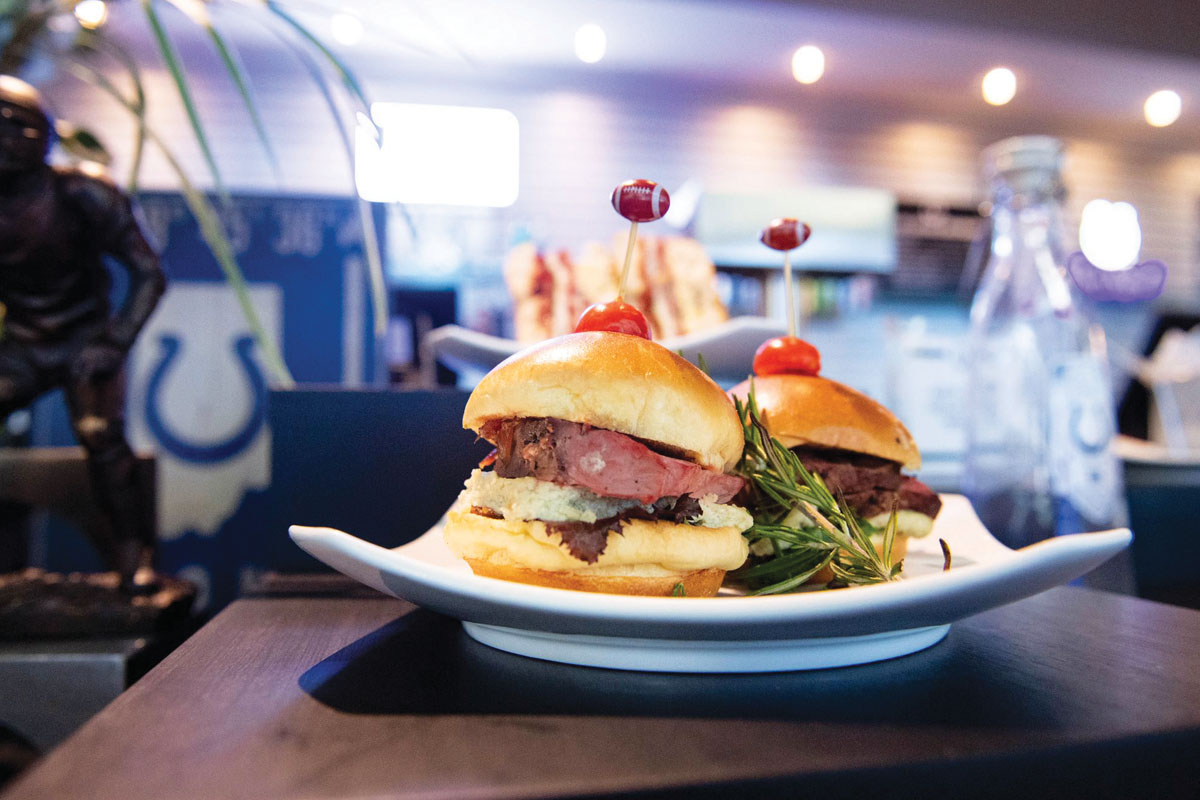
(1071, 693)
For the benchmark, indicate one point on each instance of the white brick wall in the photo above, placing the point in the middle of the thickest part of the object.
(577, 144)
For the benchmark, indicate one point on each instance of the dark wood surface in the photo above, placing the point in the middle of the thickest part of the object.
(1070, 693)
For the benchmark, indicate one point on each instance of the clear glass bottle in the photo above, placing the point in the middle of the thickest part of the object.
(1040, 413)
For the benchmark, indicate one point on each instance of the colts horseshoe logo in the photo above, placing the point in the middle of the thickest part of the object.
(203, 453)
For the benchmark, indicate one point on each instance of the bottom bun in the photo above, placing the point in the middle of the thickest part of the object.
(700, 583)
(648, 557)
(899, 549)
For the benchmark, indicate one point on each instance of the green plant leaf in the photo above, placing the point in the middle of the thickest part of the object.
(371, 252)
(379, 307)
(238, 74)
(95, 42)
(211, 230)
(81, 143)
(25, 26)
(175, 67)
(345, 74)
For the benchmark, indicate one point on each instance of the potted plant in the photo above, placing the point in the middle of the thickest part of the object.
(212, 545)
(71, 36)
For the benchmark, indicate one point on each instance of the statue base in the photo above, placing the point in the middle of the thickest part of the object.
(35, 604)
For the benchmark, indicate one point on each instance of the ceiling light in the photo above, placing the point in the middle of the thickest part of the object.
(999, 86)
(1162, 108)
(590, 43)
(91, 13)
(346, 29)
(808, 64)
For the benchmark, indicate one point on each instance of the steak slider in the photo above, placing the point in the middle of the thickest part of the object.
(857, 446)
(608, 474)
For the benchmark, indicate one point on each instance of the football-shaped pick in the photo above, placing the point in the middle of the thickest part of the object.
(641, 200)
(785, 234)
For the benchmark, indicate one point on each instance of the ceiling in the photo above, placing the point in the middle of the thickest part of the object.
(1083, 85)
(1154, 26)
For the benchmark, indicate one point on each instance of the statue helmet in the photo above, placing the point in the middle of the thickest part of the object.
(21, 105)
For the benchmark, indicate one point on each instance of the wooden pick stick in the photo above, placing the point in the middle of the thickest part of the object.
(628, 260)
(791, 294)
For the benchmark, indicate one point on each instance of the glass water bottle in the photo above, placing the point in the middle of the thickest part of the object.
(1040, 416)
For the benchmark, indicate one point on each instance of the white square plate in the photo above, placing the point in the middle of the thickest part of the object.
(728, 633)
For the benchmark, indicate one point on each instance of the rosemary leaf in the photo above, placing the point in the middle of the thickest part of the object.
(836, 538)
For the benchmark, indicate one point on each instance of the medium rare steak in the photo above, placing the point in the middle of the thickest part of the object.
(603, 461)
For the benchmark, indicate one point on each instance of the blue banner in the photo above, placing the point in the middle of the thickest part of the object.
(197, 389)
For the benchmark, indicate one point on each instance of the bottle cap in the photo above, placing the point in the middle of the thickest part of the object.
(1025, 164)
(1023, 153)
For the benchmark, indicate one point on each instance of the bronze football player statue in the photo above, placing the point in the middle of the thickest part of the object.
(57, 226)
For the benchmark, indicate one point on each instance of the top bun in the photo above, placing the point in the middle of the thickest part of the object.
(615, 381)
(811, 410)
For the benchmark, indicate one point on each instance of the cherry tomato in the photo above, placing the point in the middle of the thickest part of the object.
(786, 355)
(617, 317)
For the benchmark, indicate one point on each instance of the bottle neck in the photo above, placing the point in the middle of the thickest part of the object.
(1035, 222)
(1026, 260)
(1027, 207)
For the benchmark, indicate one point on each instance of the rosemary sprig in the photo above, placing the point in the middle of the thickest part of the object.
(831, 535)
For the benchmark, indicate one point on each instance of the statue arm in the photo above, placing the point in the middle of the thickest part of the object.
(146, 279)
(114, 227)
(117, 227)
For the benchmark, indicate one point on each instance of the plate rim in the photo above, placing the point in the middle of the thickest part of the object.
(465, 588)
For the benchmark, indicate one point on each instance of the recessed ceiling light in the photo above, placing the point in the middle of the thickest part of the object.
(590, 43)
(347, 29)
(808, 64)
(91, 13)
(1162, 108)
(999, 86)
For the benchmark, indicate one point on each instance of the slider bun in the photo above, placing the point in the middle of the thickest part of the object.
(632, 563)
(619, 382)
(699, 583)
(811, 410)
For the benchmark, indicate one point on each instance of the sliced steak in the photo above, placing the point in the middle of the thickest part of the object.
(524, 448)
(870, 485)
(916, 496)
(606, 462)
(850, 473)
